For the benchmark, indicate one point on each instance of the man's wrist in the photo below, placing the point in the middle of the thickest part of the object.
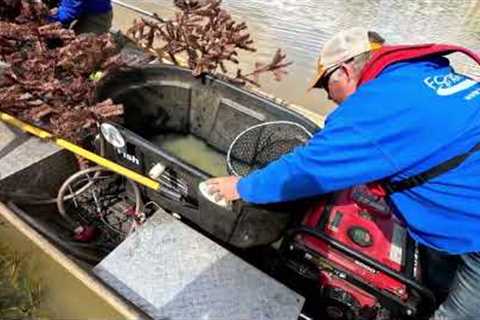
(242, 188)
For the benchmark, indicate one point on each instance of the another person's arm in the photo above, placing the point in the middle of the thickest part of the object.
(68, 11)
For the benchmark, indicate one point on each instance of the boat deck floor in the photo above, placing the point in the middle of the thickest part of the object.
(19, 150)
(173, 272)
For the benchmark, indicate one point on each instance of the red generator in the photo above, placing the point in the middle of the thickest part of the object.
(360, 255)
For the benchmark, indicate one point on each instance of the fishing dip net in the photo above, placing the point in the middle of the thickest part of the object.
(263, 143)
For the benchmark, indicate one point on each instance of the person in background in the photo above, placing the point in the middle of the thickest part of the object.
(85, 16)
(408, 121)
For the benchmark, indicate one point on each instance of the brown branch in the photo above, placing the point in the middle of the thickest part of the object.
(208, 35)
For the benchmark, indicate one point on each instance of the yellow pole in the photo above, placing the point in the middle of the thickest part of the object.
(150, 183)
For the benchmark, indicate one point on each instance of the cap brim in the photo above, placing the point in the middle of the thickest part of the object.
(316, 80)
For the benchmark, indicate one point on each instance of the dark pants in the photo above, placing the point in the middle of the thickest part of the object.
(456, 283)
(98, 23)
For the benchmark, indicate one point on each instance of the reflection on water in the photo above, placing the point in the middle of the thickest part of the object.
(302, 26)
(194, 151)
(63, 296)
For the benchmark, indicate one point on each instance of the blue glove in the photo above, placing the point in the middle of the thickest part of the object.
(68, 11)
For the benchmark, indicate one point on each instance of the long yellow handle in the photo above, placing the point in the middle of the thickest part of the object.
(152, 184)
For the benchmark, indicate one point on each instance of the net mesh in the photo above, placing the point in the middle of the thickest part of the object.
(261, 144)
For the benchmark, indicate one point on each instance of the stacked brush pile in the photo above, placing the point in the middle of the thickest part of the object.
(48, 79)
(51, 73)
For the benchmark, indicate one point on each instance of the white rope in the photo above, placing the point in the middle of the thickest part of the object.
(264, 124)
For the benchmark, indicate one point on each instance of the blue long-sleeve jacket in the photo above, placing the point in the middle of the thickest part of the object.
(414, 116)
(70, 10)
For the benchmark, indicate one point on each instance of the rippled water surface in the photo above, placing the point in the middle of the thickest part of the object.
(301, 27)
(63, 296)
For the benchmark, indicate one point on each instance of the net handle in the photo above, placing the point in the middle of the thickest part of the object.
(264, 124)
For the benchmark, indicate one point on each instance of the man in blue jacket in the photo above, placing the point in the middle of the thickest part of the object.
(416, 118)
(90, 16)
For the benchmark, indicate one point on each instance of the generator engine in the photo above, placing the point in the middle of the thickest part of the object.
(361, 257)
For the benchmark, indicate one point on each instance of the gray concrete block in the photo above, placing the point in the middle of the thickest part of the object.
(173, 272)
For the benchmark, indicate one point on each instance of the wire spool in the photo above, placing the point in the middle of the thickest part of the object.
(92, 188)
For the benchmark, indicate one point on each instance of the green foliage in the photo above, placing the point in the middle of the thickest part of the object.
(19, 295)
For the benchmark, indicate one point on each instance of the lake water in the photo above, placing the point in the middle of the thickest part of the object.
(63, 296)
(301, 27)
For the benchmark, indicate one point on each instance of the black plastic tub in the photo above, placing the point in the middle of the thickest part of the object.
(164, 100)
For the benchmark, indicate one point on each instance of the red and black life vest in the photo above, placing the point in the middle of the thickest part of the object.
(388, 55)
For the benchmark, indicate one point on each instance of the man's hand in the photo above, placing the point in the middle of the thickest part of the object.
(224, 188)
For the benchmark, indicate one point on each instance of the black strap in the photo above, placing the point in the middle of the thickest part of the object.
(419, 179)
